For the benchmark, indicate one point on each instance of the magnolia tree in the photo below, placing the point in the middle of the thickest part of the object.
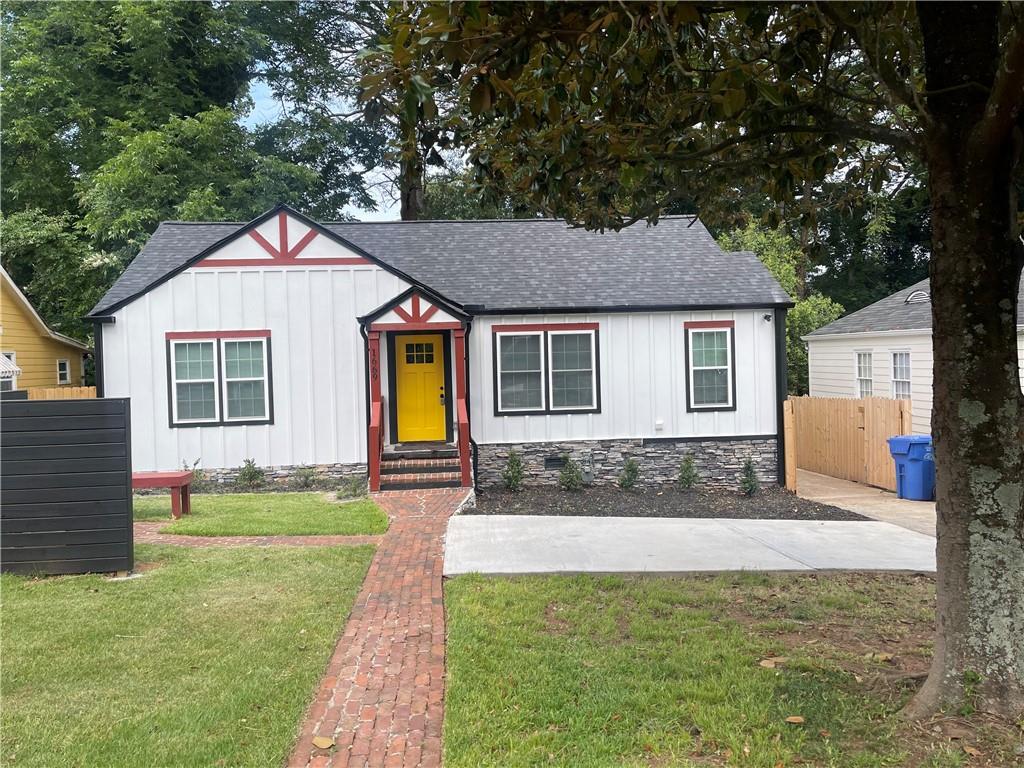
(607, 113)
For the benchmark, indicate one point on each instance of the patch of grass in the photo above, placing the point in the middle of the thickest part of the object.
(266, 514)
(209, 658)
(610, 671)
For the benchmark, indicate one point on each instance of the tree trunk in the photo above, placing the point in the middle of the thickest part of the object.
(978, 413)
(410, 182)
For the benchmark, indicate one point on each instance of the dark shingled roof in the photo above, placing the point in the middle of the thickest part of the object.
(531, 264)
(893, 313)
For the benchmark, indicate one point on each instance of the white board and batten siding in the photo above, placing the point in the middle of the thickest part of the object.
(317, 357)
(642, 380)
(832, 363)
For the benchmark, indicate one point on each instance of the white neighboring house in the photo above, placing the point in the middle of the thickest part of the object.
(885, 350)
(421, 353)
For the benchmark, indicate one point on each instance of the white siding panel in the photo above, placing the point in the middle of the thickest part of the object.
(316, 358)
(642, 381)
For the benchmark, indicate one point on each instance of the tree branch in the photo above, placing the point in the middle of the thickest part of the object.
(1004, 101)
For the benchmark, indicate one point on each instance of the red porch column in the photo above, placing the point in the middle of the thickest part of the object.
(463, 411)
(375, 436)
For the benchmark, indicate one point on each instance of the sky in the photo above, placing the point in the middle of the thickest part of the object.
(266, 109)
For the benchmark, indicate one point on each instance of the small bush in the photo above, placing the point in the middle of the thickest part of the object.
(304, 479)
(571, 476)
(351, 487)
(749, 484)
(687, 472)
(201, 483)
(630, 474)
(513, 473)
(251, 476)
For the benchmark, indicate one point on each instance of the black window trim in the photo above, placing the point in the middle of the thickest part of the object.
(547, 410)
(219, 383)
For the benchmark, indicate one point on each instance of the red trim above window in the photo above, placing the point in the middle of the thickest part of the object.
(527, 327)
(709, 324)
(256, 334)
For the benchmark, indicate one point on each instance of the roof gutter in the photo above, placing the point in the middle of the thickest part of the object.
(104, 319)
(482, 309)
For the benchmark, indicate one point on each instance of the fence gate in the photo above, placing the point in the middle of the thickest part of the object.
(846, 437)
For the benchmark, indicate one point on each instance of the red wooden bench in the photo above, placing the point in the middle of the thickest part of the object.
(178, 482)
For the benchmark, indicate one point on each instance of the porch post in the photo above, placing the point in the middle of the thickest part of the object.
(375, 436)
(460, 400)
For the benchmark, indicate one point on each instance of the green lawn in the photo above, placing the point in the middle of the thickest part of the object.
(210, 658)
(266, 514)
(603, 671)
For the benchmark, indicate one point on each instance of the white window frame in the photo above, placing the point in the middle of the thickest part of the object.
(174, 382)
(224, 379)
(593, 372)
(729, 404)
(497, 361)
(67, 371)
(13, 357)
(910, 373)
(858, 380)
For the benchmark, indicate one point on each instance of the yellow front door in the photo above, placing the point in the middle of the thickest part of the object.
(419, 364)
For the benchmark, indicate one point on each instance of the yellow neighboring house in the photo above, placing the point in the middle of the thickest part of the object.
(33, 355)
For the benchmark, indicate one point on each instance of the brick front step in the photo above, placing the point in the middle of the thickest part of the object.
(418, 466)
(408, 480)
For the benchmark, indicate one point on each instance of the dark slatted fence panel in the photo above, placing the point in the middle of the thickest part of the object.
(65, 486)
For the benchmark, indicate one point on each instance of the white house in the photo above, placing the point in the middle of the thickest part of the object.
(406, 349)
(885, 350)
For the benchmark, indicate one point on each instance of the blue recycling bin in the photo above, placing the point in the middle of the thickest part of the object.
(915, 466)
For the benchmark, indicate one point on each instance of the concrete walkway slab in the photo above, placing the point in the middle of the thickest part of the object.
(519, 544)
(868, 501)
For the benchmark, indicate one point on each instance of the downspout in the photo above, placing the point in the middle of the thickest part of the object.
(97, 325)
(469, 411)
(366, 386)
(781, 393)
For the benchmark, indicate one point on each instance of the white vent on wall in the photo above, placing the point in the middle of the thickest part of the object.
(916, 297)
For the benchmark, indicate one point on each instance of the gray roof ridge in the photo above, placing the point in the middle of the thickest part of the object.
(532, 220)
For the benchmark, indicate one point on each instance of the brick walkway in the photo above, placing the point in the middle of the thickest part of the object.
(149, 533)
(381, 701)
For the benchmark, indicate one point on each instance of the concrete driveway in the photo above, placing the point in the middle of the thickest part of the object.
(513, 544)
(868, 501)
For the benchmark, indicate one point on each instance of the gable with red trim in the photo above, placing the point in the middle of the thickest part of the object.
(414, 310)
(281, 240)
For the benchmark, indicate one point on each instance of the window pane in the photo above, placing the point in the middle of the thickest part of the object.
(711, 387)
(710, 348)
(572, 389)
(520, 390)
(570, 351)
(196, 401)
(520, 353)
(243, 359)
(193, 361)
(245, 400)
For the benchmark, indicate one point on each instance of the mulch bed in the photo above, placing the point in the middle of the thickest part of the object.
(769, 503)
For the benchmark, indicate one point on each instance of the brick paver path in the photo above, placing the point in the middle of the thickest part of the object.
(150, 533)
(381, 701)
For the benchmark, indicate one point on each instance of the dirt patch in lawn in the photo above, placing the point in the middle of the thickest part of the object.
(770, 503)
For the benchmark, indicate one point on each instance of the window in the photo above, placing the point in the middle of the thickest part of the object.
(520, 372)
(710, 360)
(419, 354)
(901, 375)
(245, 379)
(8, 384)
(63, 372)
(864, 379)
(548, 368)
(195, 381)
(572, 369)
(219, 378)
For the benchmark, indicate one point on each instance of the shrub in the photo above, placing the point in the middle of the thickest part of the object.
(749, 484)
(687, 472)
(351, 487)
(513, 473)
(630, 474)
(251, 476)
(571, 476)
(304, 478)
(200, 481)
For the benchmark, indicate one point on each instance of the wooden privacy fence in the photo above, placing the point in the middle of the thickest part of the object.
(844, 437)
(65, 468)
(61, 393)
